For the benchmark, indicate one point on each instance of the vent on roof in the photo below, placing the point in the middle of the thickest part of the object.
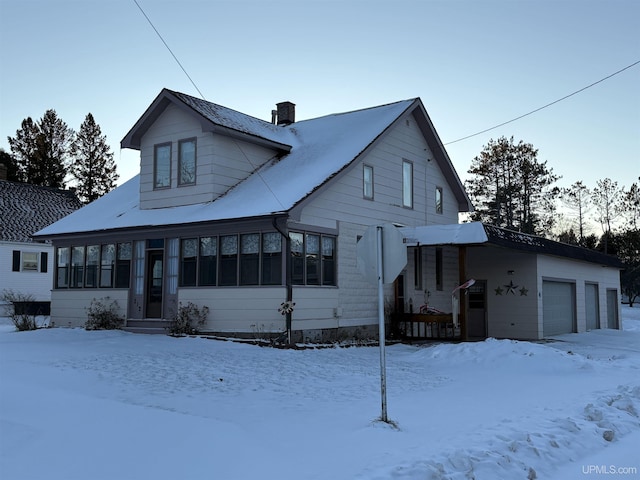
(286, 113)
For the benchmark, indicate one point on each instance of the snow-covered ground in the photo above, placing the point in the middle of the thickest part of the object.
(114, 405)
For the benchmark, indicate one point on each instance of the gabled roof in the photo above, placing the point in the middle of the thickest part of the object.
(313, 152)
(477, 233)
(25, 209)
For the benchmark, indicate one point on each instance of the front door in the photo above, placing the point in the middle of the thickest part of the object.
(154, 284)
(477, 309)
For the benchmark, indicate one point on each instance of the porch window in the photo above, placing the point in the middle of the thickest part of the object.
(77, 267)
(367, 182)
(107, 262)
(93, 261)
(229, 260)
(62, 267)
(249, 259)
(123, 265)
(328, 260)
(188, 262)
(313, 259)
(407, 184)
(187, 162)
(297, 258)
(208, 260)
(162, 165)
(271, 259)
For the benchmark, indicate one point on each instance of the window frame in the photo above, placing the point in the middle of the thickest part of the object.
(303, 265)
(439, 200)
(407, 184)
(181, 181)
(157, 185)
(367, 183)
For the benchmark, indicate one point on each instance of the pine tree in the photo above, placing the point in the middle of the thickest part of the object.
(630, 205)
(41, 150)
(24, 147)
(511, 188)
(10, 164)
(53, 146)
(93, 167)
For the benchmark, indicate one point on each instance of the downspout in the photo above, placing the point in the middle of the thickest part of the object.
(288, 264)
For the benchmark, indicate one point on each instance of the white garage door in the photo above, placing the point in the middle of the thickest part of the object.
(558, 307)
(592, 306)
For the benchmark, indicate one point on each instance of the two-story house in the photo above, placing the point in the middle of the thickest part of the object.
(240, 215)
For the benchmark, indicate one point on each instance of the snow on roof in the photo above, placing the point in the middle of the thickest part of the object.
(454, 234)
(320, 148)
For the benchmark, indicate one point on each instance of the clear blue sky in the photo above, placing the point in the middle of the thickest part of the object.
(474, 64)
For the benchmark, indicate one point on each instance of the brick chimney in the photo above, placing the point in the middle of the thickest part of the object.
(286, 113)
(3, 171)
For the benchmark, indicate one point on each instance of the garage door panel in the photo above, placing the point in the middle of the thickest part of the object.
(592, 306)
(558, 305)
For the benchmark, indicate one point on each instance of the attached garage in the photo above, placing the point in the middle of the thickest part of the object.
(558, 304)
(592, 306)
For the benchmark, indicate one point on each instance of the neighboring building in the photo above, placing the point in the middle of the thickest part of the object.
(27, 265)
(239, 215)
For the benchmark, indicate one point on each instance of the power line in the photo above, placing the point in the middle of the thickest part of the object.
(547, 105)
(165, 44)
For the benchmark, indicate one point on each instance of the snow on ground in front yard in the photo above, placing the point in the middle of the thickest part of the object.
(114, 405)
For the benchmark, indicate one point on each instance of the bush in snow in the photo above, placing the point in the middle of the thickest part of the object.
(103, 314)
(188, 319)
(20, 316)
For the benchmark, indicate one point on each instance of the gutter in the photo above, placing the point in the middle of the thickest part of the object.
(287, 242)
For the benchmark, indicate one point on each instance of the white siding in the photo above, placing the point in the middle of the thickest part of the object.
(580, 273)
(69, 307)
(33, 283)
(341, 205)
(221, 161)
(512, 312)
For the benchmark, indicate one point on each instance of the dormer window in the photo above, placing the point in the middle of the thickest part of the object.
(187, 162)
(162, 166)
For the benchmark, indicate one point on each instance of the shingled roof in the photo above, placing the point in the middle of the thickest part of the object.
(25, 209)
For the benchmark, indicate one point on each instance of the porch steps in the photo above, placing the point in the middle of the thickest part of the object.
(147, 326)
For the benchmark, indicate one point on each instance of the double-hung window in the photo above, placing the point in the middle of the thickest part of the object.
(407, 184)
(367, 182)
(187, 162)
(162, 165)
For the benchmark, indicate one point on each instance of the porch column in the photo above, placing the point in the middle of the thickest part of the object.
(462, 272)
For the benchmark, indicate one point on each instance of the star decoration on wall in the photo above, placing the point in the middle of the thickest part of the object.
(511, 288)
(499, 291)
(523, 292)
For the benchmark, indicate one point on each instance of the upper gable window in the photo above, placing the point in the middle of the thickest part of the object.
(162, 166)
(367, 182)
(187, 162)
(407, 184)
(438, 199)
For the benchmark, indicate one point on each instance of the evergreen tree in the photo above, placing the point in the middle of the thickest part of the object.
(53, 146)
(24, 147)
(93, 166)
(41, 150)
(511, 188)
(11, 165)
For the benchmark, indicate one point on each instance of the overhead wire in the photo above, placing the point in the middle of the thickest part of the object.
(545, 106)
(170, 51)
